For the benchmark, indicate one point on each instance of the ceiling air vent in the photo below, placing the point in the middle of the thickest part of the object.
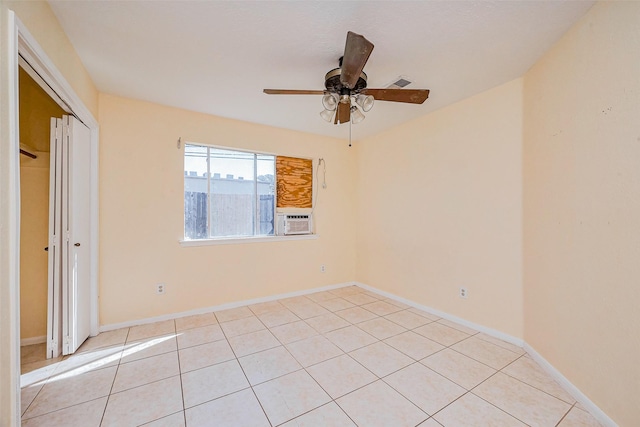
(399, 83)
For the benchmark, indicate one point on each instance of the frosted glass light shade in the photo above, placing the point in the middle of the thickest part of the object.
(330, 101)
(327, 115)
(356, 115)
(365, 102)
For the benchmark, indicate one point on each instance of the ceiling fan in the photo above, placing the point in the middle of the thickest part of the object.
(346, 86)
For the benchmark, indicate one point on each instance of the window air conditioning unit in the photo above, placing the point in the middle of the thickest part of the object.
(289, 224)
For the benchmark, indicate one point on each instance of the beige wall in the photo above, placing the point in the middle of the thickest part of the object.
(142, 214)
(582, 207)
(43, 25)
(439, 207)
(34, 226)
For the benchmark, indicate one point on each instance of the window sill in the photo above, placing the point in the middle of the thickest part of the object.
(238, 240)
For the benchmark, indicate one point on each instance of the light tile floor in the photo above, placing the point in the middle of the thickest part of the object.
(346, 357)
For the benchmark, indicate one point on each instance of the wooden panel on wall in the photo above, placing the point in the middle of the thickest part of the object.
(294, 182)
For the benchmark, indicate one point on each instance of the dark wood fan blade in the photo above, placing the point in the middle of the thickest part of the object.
(343, 115)
(356, 53)
(411, 96)
(293, 92)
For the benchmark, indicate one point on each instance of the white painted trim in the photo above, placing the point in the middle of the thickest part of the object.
(33, 340)
(593, 409)
(37, 58)
(94, 231)
(40, 62)
(235, 241)
(10, 224)
(36, 77)
(480, 328)
(226, 306)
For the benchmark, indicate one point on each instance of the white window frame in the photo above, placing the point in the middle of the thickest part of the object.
(232, 239)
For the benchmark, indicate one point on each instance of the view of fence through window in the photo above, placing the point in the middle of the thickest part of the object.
(227, 193)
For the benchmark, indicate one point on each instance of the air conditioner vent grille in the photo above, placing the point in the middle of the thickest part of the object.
(294, 224)
(399, 83)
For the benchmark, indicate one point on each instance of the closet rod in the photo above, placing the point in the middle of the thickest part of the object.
(28, 154)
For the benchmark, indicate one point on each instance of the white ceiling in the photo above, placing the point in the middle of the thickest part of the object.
(217, 56)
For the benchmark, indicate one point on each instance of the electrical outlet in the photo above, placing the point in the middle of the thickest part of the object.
(323, 268)
(464, 293)
(161, 288)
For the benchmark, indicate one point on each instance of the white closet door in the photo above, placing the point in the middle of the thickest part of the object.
(76, 274)
(54, 313)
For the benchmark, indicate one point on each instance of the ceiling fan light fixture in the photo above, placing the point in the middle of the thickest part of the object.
(346, 96)
(356, 115)
(365, 102)
(327, 115)
(330, 101)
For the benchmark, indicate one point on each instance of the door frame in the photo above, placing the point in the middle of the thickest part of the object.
(20, 42)
(35, 56)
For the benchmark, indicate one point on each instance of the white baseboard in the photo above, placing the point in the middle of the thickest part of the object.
(553, 372)
(33, 340)
(113, 326)
(593, 409)
(480, 328)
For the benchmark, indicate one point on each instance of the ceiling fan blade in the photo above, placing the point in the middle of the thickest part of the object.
(343, 115)
(411, 96)
(356, 53)
(293, 92)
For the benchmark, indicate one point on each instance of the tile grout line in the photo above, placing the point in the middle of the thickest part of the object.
(344, 354)
(406, 397)
(242, 369)
(378, 378)
(565, 415)
(470, 391)
(184, 410)
(316, 381)
(467, 391)
(104, 412)
(33, 400)
(307, 372)
(150, 382)
(490, 403)
(63, 408)
(535, 387)
(324, 335)
(46, 381)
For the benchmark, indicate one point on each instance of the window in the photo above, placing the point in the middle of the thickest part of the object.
(227, 193)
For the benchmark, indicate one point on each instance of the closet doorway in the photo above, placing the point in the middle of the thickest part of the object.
(36, 110)
(55, 159)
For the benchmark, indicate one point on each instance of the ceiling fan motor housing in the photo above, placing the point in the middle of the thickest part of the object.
(333, 84)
